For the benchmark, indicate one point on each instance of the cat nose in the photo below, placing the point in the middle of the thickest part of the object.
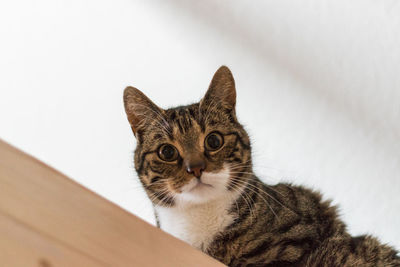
(196, 168)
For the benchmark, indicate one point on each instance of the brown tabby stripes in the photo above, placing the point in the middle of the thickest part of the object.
(281, 225)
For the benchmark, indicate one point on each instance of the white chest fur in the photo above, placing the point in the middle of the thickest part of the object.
(197, 225)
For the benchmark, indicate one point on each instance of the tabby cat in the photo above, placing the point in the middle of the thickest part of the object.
(195, 164)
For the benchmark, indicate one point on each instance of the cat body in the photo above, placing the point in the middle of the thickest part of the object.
(194, 163)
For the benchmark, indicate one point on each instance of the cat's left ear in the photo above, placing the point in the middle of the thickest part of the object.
(221, 91)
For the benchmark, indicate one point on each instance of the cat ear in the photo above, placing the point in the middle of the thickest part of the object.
(139, 108)
(221, 90)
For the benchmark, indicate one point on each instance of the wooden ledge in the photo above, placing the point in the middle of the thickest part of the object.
(46, 220)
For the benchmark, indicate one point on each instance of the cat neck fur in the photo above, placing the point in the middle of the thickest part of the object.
(198, 224)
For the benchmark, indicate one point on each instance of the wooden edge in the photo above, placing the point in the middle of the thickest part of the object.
(49, 219)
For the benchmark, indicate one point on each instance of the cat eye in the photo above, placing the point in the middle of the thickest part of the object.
(167, 152)
(214, 141)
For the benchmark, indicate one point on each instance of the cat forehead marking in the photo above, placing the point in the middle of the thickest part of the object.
(188, 134)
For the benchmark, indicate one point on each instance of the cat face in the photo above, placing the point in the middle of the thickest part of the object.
(190, 154)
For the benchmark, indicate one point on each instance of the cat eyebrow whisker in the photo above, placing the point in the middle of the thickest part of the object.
(210, 107)
(155, 112)
(163, 127)
(206, 111)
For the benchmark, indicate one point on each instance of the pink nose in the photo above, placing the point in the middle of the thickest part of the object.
(196, 169)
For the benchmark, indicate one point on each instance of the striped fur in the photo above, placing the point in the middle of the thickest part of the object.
(227, 211)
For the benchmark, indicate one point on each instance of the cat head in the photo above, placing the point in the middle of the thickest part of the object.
(190, 154)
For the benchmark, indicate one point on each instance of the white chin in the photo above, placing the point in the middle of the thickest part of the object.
(199, 194)
(212, 186)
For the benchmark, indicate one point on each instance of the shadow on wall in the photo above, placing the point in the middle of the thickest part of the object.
(349, 61)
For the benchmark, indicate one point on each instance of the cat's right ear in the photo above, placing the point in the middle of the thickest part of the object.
(138, 108)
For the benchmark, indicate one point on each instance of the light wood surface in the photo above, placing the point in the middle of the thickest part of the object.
(46, 220)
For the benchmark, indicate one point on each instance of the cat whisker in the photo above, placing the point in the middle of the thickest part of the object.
(257, 193)
(246, 198)
(166, 196)
(240, 163)
(161, 181)
(250, 173)
(270, 187)
(156, 196)
(269, 195)
(237, 206)
(240, 166)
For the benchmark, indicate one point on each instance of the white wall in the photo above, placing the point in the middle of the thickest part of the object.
(318, 90)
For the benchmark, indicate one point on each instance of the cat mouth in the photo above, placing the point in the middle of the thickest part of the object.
(200, 185)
